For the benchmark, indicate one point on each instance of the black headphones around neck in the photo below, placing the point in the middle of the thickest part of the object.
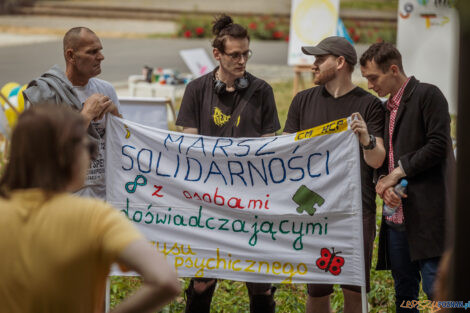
(220, 87)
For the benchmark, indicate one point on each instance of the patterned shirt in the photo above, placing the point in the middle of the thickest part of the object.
(393, 104)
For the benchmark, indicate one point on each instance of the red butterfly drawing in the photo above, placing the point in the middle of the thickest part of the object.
(330, 262)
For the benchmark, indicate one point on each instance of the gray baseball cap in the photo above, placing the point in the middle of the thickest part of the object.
(334, 45)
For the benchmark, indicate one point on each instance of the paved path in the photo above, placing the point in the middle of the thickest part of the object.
(124, 57)
(25, 54)
(10, 39)
(58, 25)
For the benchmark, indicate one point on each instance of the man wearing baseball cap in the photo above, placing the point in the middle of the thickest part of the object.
(334, 45)
(337, 97)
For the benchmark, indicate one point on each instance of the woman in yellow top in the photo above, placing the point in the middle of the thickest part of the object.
(57, 248)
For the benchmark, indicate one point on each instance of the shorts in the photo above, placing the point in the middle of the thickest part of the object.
(369, 231)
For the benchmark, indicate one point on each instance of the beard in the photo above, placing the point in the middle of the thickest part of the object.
(324, 76)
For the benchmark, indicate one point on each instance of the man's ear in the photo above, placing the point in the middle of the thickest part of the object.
(217, 54)
(341, 61)
(69, 56)
(394, 69)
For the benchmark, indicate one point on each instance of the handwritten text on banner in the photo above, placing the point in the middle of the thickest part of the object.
(276, 209)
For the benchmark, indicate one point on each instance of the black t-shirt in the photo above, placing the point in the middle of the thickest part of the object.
(315, 106)
(210, 113)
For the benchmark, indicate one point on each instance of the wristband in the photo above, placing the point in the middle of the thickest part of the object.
(371, 145)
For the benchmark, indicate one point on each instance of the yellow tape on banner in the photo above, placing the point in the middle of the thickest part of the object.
(325, 129)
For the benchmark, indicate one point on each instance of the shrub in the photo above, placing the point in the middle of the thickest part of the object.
(371, 32)
(260, 27)
(194, 27)
(268, 27)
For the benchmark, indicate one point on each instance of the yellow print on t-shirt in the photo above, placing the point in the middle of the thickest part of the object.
(220, 118)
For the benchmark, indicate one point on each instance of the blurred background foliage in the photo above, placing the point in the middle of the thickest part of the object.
(271, 27)
(268, 27)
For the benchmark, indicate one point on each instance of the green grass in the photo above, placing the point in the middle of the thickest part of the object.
(283, 96)
(369, 4)
(161, 35)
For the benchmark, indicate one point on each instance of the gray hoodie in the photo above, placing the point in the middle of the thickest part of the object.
(53, 87)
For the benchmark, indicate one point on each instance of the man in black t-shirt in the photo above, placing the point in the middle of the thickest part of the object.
(232, 112)
(337, 97)
(229, 102)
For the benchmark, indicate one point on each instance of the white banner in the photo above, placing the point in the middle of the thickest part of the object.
(310, 22)
(147, 111)
(428, 39)
(276, 209)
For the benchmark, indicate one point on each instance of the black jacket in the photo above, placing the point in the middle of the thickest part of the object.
(421, 142)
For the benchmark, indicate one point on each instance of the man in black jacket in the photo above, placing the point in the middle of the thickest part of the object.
(418, 144)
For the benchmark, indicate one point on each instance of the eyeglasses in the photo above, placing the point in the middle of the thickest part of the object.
(236, 56)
